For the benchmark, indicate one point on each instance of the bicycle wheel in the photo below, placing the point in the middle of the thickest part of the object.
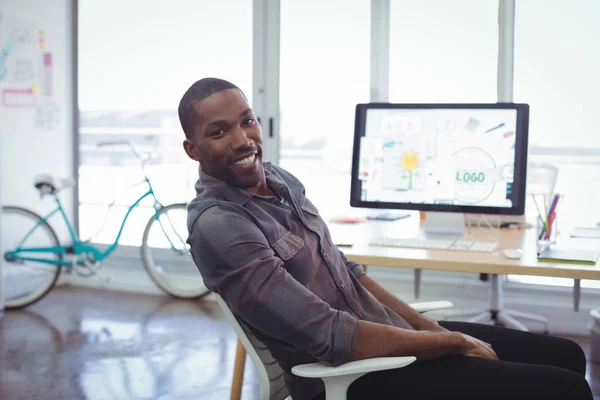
(26, 282)
(166, 255)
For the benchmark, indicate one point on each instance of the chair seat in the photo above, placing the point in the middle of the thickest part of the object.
(47, 184)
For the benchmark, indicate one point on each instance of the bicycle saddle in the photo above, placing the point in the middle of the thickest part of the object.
(46, 184)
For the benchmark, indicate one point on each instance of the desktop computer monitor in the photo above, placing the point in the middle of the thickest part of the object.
(456, 158)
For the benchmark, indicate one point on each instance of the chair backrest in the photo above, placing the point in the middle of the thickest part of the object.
(272, 384)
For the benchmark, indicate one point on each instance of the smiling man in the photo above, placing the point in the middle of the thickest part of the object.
(261, 244)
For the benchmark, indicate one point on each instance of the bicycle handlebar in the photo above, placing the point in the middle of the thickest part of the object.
(113, 143)
(131, 146)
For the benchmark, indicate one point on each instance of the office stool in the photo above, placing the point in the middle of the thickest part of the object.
(496, 314)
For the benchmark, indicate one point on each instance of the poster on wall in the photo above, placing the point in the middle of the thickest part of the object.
(26, 73)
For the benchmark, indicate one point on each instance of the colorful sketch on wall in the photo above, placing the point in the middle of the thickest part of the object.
(18, 98)
(47, 116)
(20, 33)
(26, 72)
(47, 74)
(4, 53)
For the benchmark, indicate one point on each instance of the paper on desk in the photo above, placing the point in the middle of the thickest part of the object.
(582, 232)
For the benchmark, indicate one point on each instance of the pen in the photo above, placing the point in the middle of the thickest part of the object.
(552, 214)
(542, 221)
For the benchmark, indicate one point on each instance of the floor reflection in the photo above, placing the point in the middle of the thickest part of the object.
(89, 344)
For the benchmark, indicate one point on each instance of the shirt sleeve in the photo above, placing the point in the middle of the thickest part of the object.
(236, 261)
(354, 267)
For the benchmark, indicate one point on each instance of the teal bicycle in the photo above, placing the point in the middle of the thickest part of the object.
(33, 256)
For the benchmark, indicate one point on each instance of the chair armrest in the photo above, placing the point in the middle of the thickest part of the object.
(317, 370)
(425, 306)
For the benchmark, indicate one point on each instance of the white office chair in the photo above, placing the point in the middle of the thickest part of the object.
(337, 380)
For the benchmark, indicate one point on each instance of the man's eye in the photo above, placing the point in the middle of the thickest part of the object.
(217, 133)
(248, 121)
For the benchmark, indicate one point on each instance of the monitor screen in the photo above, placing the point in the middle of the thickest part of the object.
(441, 157)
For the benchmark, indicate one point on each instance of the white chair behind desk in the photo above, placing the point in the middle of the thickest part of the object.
(541, 182)
(337, 379)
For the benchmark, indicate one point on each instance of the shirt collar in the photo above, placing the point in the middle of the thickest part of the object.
(232, 193)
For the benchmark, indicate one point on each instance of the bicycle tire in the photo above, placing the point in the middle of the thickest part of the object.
(13, 304)
(158, 274)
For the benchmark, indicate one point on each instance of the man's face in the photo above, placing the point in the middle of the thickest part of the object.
(227, 140)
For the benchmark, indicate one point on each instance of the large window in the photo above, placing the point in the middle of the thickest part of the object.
(131, 78)
(325, 64)
(443, 51)
(133, 75)
(557, 59)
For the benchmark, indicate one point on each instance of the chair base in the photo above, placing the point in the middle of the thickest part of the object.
(496, 313)
(507, 318)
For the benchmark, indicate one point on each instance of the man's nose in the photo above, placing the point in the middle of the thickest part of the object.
(241, 139)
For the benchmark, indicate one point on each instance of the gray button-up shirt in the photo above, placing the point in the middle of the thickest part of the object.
(273, 261)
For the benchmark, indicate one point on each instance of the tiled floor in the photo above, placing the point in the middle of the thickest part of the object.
(90, 344)
(99, 345)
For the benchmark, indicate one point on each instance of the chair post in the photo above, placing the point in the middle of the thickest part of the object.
(238, 371)
(336, 387)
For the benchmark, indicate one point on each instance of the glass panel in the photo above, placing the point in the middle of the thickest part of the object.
(557, 59)
(443, 51)
(131, 78)
(325, 53)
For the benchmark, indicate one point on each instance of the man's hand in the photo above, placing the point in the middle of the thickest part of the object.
(474, 347)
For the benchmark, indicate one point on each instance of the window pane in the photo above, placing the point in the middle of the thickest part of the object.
(443, 51)
(131, 78)
(557, 59)
(324, 71)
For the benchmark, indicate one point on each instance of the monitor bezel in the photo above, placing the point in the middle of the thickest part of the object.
(520, 167)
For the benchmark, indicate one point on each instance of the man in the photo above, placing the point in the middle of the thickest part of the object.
(261, 244)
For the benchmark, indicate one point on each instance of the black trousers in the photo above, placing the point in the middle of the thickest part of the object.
(531, 366)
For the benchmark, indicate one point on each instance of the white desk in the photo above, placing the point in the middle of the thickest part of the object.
(454, 260)
(495, 264)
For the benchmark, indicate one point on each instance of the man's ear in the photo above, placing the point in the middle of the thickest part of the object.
(191, 150)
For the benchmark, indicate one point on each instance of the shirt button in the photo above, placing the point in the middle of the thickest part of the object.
(342, 286)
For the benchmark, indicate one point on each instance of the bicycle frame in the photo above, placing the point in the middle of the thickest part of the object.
(78, 246)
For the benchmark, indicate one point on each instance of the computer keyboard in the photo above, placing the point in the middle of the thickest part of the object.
(439, 244)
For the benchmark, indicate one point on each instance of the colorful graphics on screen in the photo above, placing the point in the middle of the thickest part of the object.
(441, 156)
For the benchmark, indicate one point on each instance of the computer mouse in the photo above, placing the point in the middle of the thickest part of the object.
(513, 254)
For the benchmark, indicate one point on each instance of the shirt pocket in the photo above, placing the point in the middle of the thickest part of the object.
(311, 213)
(288, 245)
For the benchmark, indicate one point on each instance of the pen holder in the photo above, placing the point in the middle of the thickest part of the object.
(547, 237)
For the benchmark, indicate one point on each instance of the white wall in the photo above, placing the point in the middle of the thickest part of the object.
(36, 139)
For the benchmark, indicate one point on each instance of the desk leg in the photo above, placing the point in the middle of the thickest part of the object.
(364, 267)
(417, 283)
(238, 372)
(576, 294)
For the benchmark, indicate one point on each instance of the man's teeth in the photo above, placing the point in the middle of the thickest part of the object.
(246, 160)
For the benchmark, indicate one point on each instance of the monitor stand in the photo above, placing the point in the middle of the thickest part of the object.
(444, 224)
